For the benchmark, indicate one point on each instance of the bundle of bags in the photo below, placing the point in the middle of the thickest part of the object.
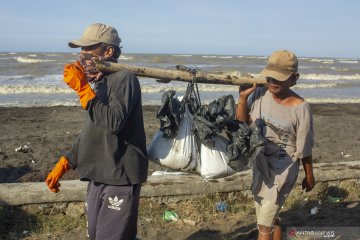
(205, 140)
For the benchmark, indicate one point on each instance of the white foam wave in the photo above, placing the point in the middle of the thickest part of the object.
(349, 61)
(256, 57)
(333, 100)
(15, 77)
(315, 76)
(310, 86)
(209, 56)
(34, 103)
(220, 87)
(27, 79)
(321, 60)
(123, 57)
(339, 69)
(226, 57)
(21, 89)
(32, 60)
(182, 89)
(32, 55)
(182, 55)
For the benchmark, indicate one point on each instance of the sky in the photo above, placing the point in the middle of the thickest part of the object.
(310, 28)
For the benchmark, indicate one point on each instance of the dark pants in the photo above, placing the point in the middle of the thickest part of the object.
(112, 211)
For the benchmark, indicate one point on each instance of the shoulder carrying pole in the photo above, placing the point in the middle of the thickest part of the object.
(166, 76)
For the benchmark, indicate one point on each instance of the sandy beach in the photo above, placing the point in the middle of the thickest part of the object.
(49, 132)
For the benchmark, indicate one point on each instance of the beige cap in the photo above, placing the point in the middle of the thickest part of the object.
(97, 33)
(281, 65)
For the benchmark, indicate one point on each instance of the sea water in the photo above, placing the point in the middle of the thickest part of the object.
(36, 79)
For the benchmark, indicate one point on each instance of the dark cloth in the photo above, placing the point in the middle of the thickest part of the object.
(169, 114)
(111, 148)
(210, 121)
(244, 142)
(112, 211)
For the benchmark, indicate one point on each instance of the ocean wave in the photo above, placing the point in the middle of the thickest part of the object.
(256, 57)
(182, 89)
(349, 61)
(333, 100)
(122, 57)
(32, 60)
(27, 79)
(311, 86)
(206, 56)
(321, 60)
(182, 55)
(36, 103)
(145, 88)
(205, 66)
(316, 76)
(222, 88)
(226, 57)
(16, 77)
(21, 89)
(154, 102)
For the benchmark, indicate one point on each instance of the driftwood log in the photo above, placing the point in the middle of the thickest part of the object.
(166, 76)
(166, 185)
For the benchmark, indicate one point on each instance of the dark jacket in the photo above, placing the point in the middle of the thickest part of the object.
(111, 148)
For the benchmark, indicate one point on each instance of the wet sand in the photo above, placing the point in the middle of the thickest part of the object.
(50, 131)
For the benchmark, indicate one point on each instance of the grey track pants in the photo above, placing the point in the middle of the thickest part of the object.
(112, 211)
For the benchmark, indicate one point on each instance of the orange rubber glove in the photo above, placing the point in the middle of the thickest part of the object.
(52, 180)
(75, 77)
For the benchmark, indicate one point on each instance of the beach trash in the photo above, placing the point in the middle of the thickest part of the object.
(23, 149)
(221, 206)
(314, 210)
(331, 199)
(344, 155)
(170, 216)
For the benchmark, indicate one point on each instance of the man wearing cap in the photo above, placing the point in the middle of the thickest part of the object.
(284, 120)
(110, 152)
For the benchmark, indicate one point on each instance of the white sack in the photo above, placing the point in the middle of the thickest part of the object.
(213, 161)
(179, 153)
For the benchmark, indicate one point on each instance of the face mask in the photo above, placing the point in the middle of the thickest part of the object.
(88, 62)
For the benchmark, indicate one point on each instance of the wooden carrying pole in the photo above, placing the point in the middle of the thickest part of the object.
(166, 76)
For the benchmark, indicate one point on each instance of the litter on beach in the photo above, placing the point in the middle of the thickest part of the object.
(163, 173)
(23, 149)
(345, 155)
(314, 210)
